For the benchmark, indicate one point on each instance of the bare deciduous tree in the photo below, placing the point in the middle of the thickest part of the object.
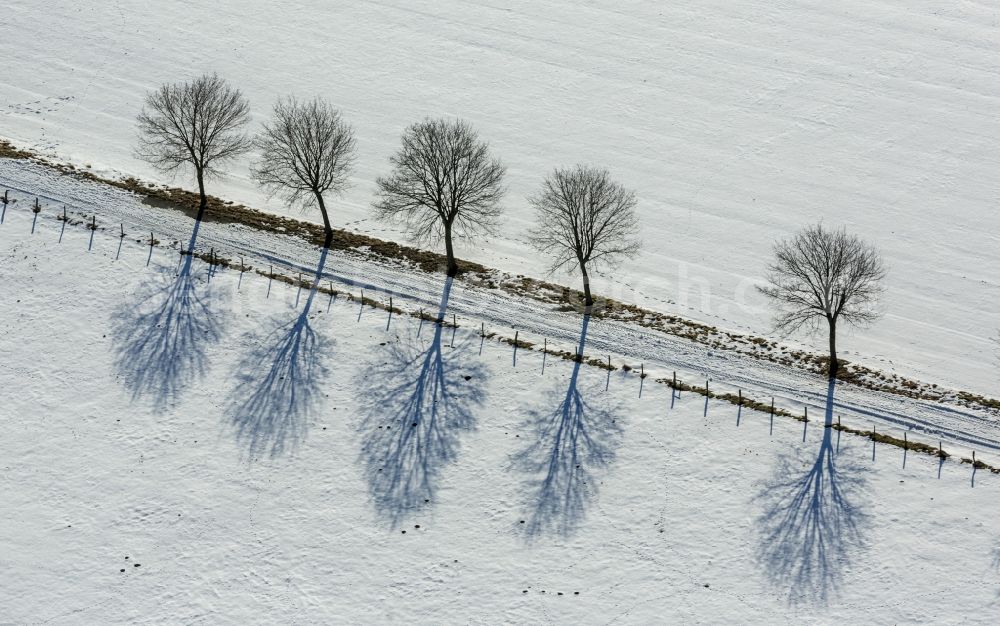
(198, 123)
(444, 183)
(306, 151)
(822, 274)
(584, 219)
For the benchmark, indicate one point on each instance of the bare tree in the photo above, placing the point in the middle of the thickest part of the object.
(198, 123)
(822, 274)
(584, 219)
(306, 151)
(444, 183)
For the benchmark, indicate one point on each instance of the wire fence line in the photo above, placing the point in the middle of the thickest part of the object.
(384, 301)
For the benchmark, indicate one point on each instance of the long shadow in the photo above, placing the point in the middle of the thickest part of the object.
(279, 383)
(568, 445)
(813, 522)
(162, 336)
(419, 397)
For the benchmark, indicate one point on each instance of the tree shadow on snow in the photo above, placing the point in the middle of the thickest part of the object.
(814, 522)
(418, 396)
(567, 445)
(279, 383)
(162, 336)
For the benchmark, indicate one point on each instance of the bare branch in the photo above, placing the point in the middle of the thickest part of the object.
(584, 218)
(198, 123)
(443, 182)
(307, 150)
(824, 275)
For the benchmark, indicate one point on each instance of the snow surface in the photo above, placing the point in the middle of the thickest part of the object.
(960, 428)
(737, 122)
(246, 453)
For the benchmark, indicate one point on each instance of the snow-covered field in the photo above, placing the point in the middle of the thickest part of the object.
(959, 427)
(737, 121)
(182, 447)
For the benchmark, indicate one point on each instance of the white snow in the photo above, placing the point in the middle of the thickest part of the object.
(736, 121)
(146, 424)
(246, 451)
(663, 354)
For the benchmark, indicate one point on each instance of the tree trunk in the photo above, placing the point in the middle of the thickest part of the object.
(834, 366)
(450, 252)
(588, 300)
(328, 230)
(202, 198)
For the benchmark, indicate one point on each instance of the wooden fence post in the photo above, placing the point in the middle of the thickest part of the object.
(93, 229)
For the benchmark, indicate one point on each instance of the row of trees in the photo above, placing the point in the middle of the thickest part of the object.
(445, 184)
